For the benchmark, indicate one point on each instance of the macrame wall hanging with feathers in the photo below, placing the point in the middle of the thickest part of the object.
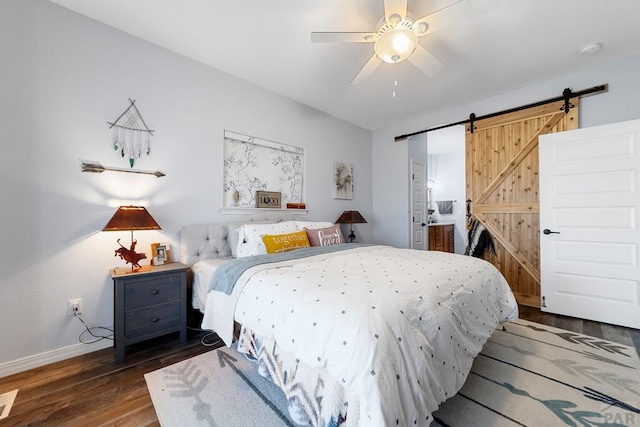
(131, 135)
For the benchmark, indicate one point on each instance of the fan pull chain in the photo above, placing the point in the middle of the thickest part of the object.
(395, 79)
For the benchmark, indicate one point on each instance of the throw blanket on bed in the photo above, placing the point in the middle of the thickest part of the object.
(314, 398)
(480, 240)
(227, 274)
(397, 328)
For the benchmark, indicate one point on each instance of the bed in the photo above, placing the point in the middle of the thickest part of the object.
(354, 334)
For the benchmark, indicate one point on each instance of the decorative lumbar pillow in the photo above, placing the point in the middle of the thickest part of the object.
(325, 236)
(250, 236)
(276, 243)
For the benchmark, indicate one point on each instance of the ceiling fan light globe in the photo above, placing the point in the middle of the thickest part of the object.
(421, 28)
(396, 45)
(394, 19)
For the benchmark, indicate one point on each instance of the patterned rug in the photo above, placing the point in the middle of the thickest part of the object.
(219, 388)
(536, 375)
(527, 375)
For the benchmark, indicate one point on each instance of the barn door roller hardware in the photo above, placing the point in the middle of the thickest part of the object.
(567, 95)
(472, 126)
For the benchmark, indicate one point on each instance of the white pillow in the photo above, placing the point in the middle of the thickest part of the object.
(312, 224)
(234, 234)
(250, 236)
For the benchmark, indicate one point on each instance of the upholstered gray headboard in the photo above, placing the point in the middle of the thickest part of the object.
(204, 241)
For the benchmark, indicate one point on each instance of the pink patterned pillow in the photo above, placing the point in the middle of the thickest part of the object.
(325, 236)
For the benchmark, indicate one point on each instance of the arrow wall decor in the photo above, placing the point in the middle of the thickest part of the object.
(96, 167)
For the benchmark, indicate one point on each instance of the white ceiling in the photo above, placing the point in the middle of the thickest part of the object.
(267, 43)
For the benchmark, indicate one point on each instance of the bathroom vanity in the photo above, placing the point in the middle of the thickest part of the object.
(441, 236)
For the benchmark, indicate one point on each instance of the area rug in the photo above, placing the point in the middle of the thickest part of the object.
(527, 375)
(536, 375)
(218, 388)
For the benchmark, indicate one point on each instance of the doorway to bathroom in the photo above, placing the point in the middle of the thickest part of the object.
(446, 188)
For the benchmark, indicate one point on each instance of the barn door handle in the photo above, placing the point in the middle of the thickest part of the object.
(547, 231)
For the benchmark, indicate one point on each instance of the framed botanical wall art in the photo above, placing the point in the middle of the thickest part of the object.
(342, 181)
(252, 164)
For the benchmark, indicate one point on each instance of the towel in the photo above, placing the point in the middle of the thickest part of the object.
(445, 206)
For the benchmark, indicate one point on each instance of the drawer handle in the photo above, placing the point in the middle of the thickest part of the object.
(155, 292)
(155, 319)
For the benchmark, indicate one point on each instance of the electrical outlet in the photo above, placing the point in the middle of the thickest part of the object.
(75, 306)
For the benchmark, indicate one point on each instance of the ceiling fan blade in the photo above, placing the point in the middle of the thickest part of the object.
(395, 7)
(455, 13)
(367, 70)
(343, 37)
(426, 62)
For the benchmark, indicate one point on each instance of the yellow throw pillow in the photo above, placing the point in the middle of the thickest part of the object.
(276, 243)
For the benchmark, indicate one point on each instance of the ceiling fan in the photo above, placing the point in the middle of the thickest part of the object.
(396, 38)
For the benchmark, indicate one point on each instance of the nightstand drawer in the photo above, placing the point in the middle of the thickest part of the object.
(152, 291)
(148, 320)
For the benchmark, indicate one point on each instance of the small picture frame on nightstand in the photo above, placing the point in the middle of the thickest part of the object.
(160, 256)
(156, 254)
(159, 253)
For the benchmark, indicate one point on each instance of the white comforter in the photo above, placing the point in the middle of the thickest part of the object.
(398, 328)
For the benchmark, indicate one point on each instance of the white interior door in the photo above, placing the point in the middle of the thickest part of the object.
(590, 197)
(418, 206)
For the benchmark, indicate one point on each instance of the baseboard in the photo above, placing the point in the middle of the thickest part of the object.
(42, 359)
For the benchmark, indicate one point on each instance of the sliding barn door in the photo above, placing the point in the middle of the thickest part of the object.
(502, 184)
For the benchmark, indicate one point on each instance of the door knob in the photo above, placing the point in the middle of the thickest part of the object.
(423, 224)
(547, 231)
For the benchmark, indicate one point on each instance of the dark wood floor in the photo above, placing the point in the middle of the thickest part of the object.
(92, 390)
(626, 336)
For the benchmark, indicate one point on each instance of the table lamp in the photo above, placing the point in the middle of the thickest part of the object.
(351, 217)
(130, 218)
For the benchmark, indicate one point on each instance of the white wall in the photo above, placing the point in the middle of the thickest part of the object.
(62, 77)
(390, 194)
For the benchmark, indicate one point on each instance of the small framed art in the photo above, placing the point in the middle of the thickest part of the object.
(342, 181)
(161, 253)
(269, 199)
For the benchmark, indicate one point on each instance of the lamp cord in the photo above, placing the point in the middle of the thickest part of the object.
(90, 331)
(209, 334)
